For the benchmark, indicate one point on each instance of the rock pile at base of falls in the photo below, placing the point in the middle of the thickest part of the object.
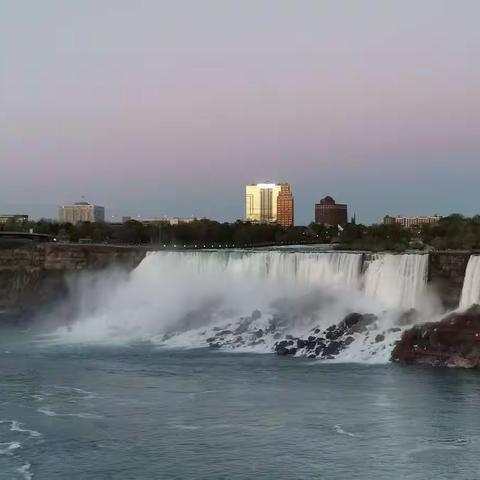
(327, 344)
(276, 335)
(454, 341)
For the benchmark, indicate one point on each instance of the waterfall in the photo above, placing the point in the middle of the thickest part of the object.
(397, 280)
(471, 284)
(252, 298)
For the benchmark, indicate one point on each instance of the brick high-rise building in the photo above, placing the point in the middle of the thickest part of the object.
(285, 206)
(269, 203)
(328, 212)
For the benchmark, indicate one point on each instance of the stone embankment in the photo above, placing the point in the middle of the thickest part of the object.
(35, 275)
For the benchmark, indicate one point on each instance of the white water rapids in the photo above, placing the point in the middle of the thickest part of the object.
(178, 299)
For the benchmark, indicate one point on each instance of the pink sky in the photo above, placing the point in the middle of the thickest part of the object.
(169, 108)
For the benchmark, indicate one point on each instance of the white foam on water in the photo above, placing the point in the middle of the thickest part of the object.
(8, 448)
(341, 431)
(16, 426)
(51, 413)
(25, 470)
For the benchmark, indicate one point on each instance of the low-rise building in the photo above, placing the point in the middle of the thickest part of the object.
(81, 212)
(13, 218)
(171, 220)
(409, 222)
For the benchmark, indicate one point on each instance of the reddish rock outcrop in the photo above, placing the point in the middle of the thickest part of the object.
(452, 342)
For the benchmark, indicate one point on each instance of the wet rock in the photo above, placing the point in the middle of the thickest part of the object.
(311, 338)
(394, 330)
(215, 345)
(362, 325)
(454, 342)
(379, 338)
(258, 333)
(277, 336)
(349, 340)
(292, 351)
(317, 330)
(281, 350)
(319, 350)
(210, 340)
(256, 314)
(333, 348)
(301, 343)
(223, 332)
(352, 319)
(243, 327)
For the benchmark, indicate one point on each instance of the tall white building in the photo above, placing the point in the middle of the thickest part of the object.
(269, 203)
(81, 212)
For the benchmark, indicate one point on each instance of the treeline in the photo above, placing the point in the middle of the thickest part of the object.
(199, 232)
(454, 232)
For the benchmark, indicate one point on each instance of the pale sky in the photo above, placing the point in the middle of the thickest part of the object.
(153, 107)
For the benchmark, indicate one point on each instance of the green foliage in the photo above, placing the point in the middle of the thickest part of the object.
(454, 232)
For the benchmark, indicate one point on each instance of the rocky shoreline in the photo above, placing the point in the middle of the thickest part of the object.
(454, 341)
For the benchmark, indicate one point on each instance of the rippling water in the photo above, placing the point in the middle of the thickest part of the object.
(141, 412)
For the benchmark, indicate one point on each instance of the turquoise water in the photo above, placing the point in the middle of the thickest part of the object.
(140, 412)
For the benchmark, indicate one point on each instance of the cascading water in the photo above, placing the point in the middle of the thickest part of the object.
(249, 300)
(397, 280)
(471, 284)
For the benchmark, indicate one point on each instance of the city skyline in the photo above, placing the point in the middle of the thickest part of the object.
(375, 103)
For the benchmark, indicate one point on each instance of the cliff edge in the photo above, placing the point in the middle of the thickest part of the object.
(34, 275)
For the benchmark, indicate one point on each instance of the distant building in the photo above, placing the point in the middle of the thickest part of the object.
(13, 218)
(269, 203)
(81, 212)
(171, 221)
(328, 212)
(285, 206)
(409, 222)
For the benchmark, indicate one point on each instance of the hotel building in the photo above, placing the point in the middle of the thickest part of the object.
(81, 212)
(269, 203)
(328, 212)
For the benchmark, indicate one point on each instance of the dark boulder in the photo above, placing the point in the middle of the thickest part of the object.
(281, 350)
(258, 333)
(379, 338)
(301, 343)
(333, 348)
(352, 319)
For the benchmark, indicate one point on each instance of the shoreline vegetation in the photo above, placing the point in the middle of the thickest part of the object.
(452, 233)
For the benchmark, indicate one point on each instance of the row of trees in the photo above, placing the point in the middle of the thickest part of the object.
(199, 232)
(453, 232)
